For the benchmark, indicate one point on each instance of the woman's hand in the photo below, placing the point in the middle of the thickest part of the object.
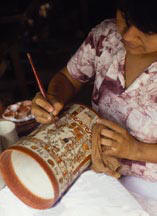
(117, 141)
(45, 110)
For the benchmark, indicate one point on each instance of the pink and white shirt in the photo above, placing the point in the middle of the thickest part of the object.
(102, 57)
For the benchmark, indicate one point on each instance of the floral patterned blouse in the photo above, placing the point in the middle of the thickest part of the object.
(102, 57)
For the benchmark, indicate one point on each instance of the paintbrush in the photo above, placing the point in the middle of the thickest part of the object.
(39, 82)
(40, 85)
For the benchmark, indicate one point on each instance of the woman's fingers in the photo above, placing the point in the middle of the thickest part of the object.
(40, 114)
(57, 107)
(43, 120)
(42, 102)
(109, 146)
(44, 110)
(110, 152)
(107, 133)
(106, 142)
(111, 125)
(57, 104)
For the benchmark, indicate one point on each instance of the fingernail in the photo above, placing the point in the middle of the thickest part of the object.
(107, 144)
(49, 118)
(55, 113)
(98, 120)
(51, 109)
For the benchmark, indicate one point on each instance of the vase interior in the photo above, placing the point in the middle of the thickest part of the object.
(32, 175)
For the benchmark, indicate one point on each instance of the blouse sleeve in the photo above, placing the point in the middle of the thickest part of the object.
(82, 64)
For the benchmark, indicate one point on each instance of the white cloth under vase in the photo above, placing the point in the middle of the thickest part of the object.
(91, 194)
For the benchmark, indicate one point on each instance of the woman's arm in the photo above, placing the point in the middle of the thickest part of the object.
(146, 152)
(63, 86)
(61, 89)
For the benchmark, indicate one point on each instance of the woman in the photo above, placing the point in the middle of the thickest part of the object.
(121, 55)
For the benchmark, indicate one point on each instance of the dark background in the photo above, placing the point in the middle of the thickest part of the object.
(51, 40)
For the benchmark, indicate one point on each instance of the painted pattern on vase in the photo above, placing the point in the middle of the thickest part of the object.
(65, 147)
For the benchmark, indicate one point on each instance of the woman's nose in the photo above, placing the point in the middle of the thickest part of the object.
(131, 34)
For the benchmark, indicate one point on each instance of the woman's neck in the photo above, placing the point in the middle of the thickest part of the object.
(147, 58)
(135, 65)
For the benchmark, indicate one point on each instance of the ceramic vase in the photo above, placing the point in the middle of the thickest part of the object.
(40, 167)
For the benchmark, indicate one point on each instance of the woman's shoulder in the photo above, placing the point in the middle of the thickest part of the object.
(105, 28)
(107, 23)
(106, 32)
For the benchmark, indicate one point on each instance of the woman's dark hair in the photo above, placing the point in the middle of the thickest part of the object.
(140, 13)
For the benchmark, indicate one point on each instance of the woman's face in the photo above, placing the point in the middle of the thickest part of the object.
(135, 41)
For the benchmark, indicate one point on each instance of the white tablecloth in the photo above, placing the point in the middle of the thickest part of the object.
(91, 195)
(145, 192)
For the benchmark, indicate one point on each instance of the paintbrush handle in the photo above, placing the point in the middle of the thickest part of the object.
(40, 85)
